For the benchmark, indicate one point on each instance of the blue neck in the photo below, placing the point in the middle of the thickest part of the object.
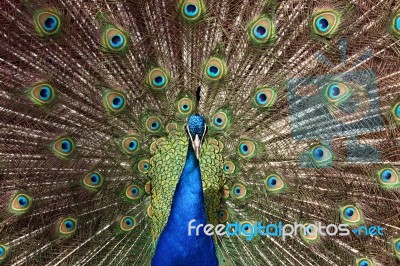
(175, 246)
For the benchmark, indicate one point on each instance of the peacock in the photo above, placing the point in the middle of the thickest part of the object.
(132, 128)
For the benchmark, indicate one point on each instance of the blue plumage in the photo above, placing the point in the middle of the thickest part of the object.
(175, 246)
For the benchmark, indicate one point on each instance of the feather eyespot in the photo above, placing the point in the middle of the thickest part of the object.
(114, 39)
(274, 183)
(20, 204)
(127, 223)
(63, 147)
(4, 252)
(229, 167)
(337, 92)
(191, 10)
(395, 24)
(325, 23)
(114, 101)
(309, 233)
(153, 124)
(157, 79)
(133, 192)
(246, 227)
(129, 145)
(223, 215)
(246, 149)
(93, 181)
(215, 69)
(397, 20)
(185, 106)
(144, 166)
(395, 110)
(395, 246)
(388, 178)
(351, 215)
(42, 94)
(47, 23)
(238, 191)
(220, 120)
(67, 227)
(364, 262)
(321, 156)
(265, 97)
(262, 30)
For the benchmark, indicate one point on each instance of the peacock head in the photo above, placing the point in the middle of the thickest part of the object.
(196, 128)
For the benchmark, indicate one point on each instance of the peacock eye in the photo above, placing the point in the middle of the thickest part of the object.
(351, 215)
(265, 97)
(127, 223)
(229, 167)
(246, 149)
(42, 94)
(47, 23)
(114, 39)
(144, 166)
(215, 69)
(397, 245)
(66, 145)
(185, 106)
(238, 191)
(262, 30)
(20, 204)
(117, 40)
(326, 23)
(67, 227)
(337, 92)
(4, 251)
(321, 155)
(133, 192)
(114, 101)
(45, 93)
(129, 145)
(153, 124)
(22, 201)
(93, 181)
(274, 183)
(157, 79)
(396, 112)
(388, 178)
(364, 262)
(63, 147)
(50, 23)
(192, 10)
(310, 233)
(220, 120)
(395, 24)
(223, 215)
(397, 19)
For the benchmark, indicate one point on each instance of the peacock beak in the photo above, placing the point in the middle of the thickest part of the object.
(196, 143)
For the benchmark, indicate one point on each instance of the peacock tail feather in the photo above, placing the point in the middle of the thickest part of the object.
(109, 110)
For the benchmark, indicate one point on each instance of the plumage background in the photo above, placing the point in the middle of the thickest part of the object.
(74, 166)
